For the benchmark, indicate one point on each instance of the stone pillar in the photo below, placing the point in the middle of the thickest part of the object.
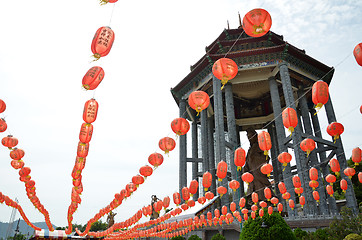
(183, 151)
(204, 141)
(323, 159)
(277, 166)
(195, 164)
(211, 150)
(303, 105)
(341, 157)
(233, 136)
(220, 149)
(280, 133)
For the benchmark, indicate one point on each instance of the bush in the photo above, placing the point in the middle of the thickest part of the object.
(276, 228)
(299, 233)
(350, 223)
(178, 238)
(218, 236)
(194, 237)
(353, 236)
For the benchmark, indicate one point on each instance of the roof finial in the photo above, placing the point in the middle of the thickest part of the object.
(240, 25)
(228, 25)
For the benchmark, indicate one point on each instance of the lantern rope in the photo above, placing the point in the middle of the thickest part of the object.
(110, 20)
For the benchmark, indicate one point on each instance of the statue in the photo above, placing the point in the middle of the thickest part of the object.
(255, 158)
(154, 214)
(110, 218)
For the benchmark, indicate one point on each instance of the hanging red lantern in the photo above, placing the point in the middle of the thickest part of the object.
(17, 164)
(209, 195)
(185, 193)
(180, 126)
(176, 198)
(267, 193)
(2, 106)
(329, 189)
(330, 178)
(357, 52)
(335, 129)
(264, 142)
(131, 187)
(253, 215)
(320, 94)
(360, 177)
(167, 144)
(232, 207)
(146, 171)
(224, 210)
(206, 180)
(93, 78)
(247, 177)
(307, 145)
(313, 184)
(255, 197)
(86, 132)
(17, 153)
(274, 201)
(79, 163)
(290, 119)
(184, 206)
(193, 187)
(284, 158)
(155, 159)
(302, 201)
(82, 150)
(356, 156)
(257, 22)
(221, 170)
(280, 207)
(201, 200)
(296, 182)
(102, 42)
(270, 210)
(3, 125)
(242, 202)
(9, 141)
(349, 172)
(224, 69)
(291, 204)
(299, 190)
(138, 180)
(313, 174)
(199, 100)
(266, 169)
(263, 204)
(191, 203)
(334, 164)
(282, 188)
(222, 190)
(25, 171)
(316, 196)
(261, 213)
(90, 111)
(286, 196)
(239, 158)
(234, 185)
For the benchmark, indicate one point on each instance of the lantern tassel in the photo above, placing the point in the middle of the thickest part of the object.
(318, 108)
(238, 168)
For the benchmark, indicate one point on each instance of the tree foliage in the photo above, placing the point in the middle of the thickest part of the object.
(349, 223)
(178, 238)
(218, 236)
(194, 237)
(18, 236)
(99, 226)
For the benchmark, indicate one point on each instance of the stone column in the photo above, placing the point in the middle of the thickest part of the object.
(195, 164)
(277, 166)
(204, 141)
(341, 157)
(183, 151)
(211, 150)
(303, 105)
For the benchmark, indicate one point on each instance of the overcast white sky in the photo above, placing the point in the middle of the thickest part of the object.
(45, 52)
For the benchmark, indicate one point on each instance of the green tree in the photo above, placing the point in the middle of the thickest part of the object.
(18, 236)
(349, 223)
(194, 237)
(299, 233)
(178, 238)
(353, 236)
(218, 236)
(269, 227)
(99, 226)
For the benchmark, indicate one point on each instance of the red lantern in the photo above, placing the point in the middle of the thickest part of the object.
(261, 213)
(155, 159)
(296, 182)
(307, 145)
(302, 201)
(82, 150)
(284, 158)
(286, 196)
(335, 129)
(257, 22)
(266, 169)
(146, 171)
(209, 195)
(291, 204)
(2, 106)
(280, 207)
(349, 172)
(17, 164)
(320, 94)
(334, 164)
(357, 52)
(90, 111)
(344, 185)
(17, 154)
(270, 210)
(224, 210)
(131, 187)
(274, 201)
(138, 180)
(167, 144)
(356, 156)
(264, 142)
(232, 207)
(206, 180)
(185, 193)
(263, 204)
(3, 125)
(298, 191)
(267, 193)
(331, 179)
(191, 203)
(193, 187)
(316, 196)
(184, 206)
(180, 126)
(93, 78)
(313, 174)
(282, 188)
(102, 42)
(221, 171)
(224, 69)
(253, 215)
(313, 184)
(290, 119)
(199, 100)
(329, 189)
(25, 171)
(247, 177)
(9, 141)
(360, 177)
(201, 200)
(222, 190)
(242, 202)
(86, 131)
(234, 185)
(79, 163)
(239, 158)
(177, 198)
(255, 197)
